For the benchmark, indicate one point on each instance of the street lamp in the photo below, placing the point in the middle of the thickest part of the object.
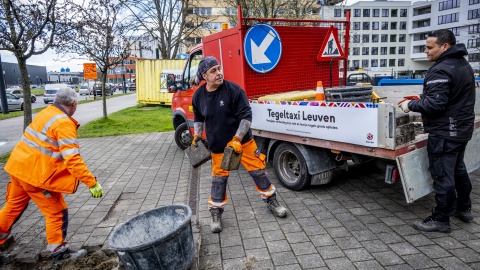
(37, 80)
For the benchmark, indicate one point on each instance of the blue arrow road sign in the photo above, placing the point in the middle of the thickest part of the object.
(262, 47)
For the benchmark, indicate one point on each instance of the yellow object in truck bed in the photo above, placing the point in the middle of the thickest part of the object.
(289, 96)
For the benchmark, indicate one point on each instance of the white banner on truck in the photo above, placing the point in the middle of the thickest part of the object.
(349, 122)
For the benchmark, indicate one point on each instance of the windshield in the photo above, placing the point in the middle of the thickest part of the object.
(51, 92)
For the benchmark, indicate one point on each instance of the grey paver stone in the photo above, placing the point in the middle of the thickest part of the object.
(278, 246)
(283, 258)
(340, 263)
(253, 243)
(368, 265)
(358, 254)
(259, 254)
(387, 258)
(329, 252)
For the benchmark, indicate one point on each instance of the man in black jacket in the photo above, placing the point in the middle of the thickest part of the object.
(447, 108)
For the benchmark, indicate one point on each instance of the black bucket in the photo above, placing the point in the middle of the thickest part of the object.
(157, 239)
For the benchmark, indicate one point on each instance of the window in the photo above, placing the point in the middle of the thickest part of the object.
(366, 13)
(448, 18)
(366, 25)
(374, 50)
(384, 25)
(384, 38)
(393, 25)
(474, 57)
(474, 28)
(393, 50)
(203, 11)
(455, 30)
(401, 50)
(383, 62)
(391, 62)
(364, 63)
(374, 62)
(365, 38)
(337, 12)
(356, 26)
(376, 12)
(393, 38)
(375, 25)
(375, 38)
(385, 12)
(230, 11)
(474, 14)
(403, 12)
(403, 25)
(356, 64)
(383, 50)
(356, 38)
(356, 51)
(473, 43)
(394, 13)
(401, 62)
(419, 49)
(422, 23)
(212, 25)
(473, 2)
(356, 12)
(449, 4)
(402, 37)
(365, 51)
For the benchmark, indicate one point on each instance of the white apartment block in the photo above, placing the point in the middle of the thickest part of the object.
(388, 37)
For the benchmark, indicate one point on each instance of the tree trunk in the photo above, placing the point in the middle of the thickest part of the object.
(104, 98)
(27, 100)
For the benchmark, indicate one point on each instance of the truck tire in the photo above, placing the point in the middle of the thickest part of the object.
(183, 138)
(290, 167)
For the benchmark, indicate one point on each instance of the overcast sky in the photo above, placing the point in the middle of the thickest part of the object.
(51, 61)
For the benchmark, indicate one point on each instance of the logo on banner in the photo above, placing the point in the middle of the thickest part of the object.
(262, 47)
(330, 47)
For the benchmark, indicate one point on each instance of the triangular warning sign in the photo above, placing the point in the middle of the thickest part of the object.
(330, 47)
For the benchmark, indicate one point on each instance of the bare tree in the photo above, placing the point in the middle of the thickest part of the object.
(101, 36)
(166, 21)
(30, 28)
(273, 8)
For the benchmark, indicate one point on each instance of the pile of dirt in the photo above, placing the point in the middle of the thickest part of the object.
(99, 260)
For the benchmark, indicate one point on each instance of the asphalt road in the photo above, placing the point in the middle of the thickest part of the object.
(11, 129)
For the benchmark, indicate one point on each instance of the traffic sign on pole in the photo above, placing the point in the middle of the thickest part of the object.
(90, 71)
(263, 47)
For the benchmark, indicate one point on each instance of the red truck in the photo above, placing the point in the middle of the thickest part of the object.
(278, 63)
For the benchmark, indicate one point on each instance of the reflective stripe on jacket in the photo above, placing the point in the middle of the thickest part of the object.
(48, 155)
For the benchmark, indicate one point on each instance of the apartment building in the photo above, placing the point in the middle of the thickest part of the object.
(388, 37)
(460, 16)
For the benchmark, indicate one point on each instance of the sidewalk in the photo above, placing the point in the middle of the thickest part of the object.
(355, 222)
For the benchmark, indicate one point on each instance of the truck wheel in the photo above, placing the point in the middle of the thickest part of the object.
(183, 138)
(290, 167)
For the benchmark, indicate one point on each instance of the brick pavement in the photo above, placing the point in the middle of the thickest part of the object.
(355, 222)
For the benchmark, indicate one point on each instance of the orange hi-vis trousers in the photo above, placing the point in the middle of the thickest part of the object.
(51, 204)
(253, 161)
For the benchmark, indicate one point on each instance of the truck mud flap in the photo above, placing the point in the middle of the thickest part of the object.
(413, 168)
(416, 179)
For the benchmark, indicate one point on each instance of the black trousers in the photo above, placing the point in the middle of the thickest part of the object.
(450, 178)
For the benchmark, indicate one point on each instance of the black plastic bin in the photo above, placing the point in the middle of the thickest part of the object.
(349, 93)
(157, 239)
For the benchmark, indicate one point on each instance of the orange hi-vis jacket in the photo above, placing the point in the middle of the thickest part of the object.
(48, 155)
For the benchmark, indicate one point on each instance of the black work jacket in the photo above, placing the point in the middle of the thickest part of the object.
(448, 98)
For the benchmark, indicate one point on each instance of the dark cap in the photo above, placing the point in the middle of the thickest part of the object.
(206, 64)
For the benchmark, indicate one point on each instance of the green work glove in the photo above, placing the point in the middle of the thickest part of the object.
(96, 191)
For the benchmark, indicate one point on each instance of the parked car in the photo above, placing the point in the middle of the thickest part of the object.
(98, 89)
(19, 93)
(84, 90)
(51, 90)
(131, 86)
(13, 103)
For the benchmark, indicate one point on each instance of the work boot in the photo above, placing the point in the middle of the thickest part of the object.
(430, 224)
(465, 216)
(275, 207)
(62, 252)
(7, 243)
(216, 224)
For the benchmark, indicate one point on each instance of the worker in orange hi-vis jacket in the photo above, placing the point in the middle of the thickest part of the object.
(43, 165)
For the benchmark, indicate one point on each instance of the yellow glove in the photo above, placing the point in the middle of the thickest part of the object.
(196, 138)
(404, 105)
(236, 144)
(96, 191)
